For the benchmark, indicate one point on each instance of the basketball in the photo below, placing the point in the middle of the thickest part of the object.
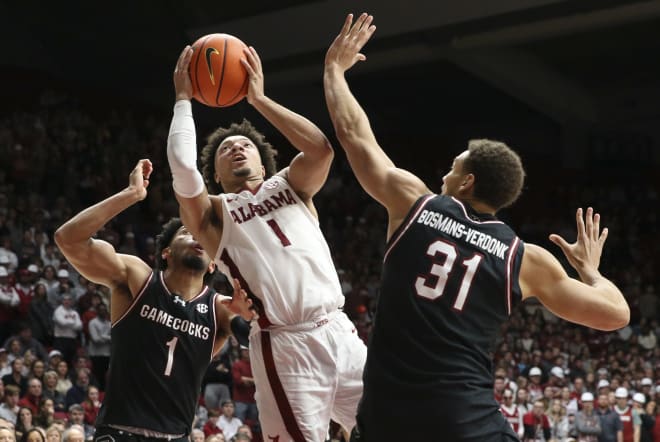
(217, 75)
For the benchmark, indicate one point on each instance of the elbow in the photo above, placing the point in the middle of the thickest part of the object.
(622, 316)
(60, 237)
(619, 318)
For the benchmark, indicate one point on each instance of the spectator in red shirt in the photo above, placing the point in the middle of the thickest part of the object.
(211, 425)
(91, 405)
(246, 407)
(33, 397)
(536, 423)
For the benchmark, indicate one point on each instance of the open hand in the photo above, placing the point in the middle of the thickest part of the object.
(240, 304)
(584, 254)
(344, 51)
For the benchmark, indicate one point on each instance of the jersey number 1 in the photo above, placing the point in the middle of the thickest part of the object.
(442, 271)
(170, 354)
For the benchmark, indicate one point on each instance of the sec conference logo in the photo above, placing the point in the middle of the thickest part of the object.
(202, 308)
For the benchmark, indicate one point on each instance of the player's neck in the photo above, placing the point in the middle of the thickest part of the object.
(479, 206)
(250, 183)
(186, 283)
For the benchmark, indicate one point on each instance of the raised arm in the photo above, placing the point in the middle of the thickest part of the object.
(195, 205)
(95, 259)
(309, 169)
(394, 188)
(594, 301)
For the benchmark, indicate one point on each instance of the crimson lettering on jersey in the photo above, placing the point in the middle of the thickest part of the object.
(250, 210)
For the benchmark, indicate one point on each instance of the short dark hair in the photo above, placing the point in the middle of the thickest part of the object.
(498, 172)
(164, 239)
(246, 129)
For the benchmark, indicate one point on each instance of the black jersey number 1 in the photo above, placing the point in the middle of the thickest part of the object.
(440, 271)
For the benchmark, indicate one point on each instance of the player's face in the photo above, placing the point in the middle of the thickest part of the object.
(238, 157)
(188, 251)
(453, 180)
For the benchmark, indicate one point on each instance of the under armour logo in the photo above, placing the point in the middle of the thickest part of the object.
(178, 300)
(202, 308)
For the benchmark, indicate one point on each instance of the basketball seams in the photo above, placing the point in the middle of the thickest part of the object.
(240, 93)
(222, 72)
(199, 54)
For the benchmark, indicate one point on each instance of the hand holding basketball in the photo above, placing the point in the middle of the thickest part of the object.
(182, 85)
(252, 65)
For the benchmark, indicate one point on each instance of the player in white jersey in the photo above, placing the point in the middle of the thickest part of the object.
(262, 227)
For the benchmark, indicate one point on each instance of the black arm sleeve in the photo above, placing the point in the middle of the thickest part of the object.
(240, 328)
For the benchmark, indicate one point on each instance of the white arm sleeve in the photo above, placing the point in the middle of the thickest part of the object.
(182, 152)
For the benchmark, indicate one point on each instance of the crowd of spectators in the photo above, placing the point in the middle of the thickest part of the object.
(55, 328)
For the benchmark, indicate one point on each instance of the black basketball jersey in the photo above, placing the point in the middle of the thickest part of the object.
(161, 348)
(450, 279)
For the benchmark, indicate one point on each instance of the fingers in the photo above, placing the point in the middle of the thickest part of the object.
(184, 60)
(580, 224)
(596, 228)
(347, 25)
(603, 236)
(255, 57)
(358, 25)
(561, 242)
(589, 222)
(251, 61)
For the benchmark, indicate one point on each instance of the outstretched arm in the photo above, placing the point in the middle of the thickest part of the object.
(594, 301)
(309, 169)
(95, 259)
(394, 188)
(195, 205)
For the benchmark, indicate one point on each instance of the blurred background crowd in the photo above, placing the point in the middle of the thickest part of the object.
(54, 327)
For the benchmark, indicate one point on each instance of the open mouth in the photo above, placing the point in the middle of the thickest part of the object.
(238, 159)
(198, 248)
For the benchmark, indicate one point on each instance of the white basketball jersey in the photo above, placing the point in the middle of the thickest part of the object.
(273, 244)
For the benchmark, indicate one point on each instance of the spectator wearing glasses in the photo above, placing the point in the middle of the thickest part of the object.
(512, 412)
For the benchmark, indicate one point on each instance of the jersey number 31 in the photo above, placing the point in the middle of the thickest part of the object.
(440, 271)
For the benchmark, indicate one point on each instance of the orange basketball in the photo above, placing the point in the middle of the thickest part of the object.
(217, 75)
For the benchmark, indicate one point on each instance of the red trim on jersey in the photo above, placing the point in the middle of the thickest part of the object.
(135, 300)
(410, 221)
(509, 266)
(263, 320)
(278, 390)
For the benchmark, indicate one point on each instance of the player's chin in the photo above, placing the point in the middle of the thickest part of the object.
(242, 171)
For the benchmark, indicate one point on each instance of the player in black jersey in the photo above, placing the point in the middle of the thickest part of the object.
(166, 323)
(452, 274)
